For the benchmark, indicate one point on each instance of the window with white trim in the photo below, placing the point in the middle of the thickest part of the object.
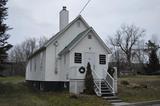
(65, 59)
(30, 64)
(35, 63)
(41, 61)
(78, 58)
(102, 59)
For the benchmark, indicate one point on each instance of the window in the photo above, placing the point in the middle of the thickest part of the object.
(89, 36)
(41, 61)
(78, 58)
(35, 63)
(64, 59)
(102, 59)
(31, 65)
(78, 23)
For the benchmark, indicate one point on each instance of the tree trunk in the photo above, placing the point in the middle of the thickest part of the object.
(129, 62)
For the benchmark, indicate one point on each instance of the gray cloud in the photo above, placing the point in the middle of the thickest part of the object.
(34, 18)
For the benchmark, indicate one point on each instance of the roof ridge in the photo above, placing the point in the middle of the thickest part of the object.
(64, 29)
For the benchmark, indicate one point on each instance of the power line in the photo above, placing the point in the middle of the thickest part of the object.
(84, 7)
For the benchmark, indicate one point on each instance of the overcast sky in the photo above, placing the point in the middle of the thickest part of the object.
(35, 18)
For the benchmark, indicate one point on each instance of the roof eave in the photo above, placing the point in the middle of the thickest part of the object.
(102, 42)
(69, 48)
(73, 42)
(37, 52)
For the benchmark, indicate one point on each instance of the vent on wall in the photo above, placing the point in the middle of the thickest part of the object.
(89, 36)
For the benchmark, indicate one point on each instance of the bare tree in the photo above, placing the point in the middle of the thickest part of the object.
(20, 52)
(117, 58)
(28, 47)
(125, 38)
(41, 41)
(140, 52)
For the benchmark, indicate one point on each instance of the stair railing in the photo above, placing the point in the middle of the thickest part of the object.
(111, 82)
(97, 83)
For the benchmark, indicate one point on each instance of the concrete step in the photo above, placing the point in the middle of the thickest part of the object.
(115, 101)
(105, 90)
(121, 104)
(110, 97)
(104, 87)
(107, 94)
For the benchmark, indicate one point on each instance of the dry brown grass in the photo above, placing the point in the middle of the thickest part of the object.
(14, 92)
(140, 88)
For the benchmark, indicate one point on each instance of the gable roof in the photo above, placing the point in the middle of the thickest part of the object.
(53, 38)
(63, 30)
(79, 37)
(37, 51)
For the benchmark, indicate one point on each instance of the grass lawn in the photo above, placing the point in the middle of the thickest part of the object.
(14, 92)
(14, 80)
(139, 88)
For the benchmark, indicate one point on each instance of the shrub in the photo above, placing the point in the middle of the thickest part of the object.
(138, 86)
(124, 82)
(111, 70)
(144, 86)
(153, 65)
(89, 84)
(73, 96)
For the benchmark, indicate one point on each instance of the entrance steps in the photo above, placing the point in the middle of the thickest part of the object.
(108, 95)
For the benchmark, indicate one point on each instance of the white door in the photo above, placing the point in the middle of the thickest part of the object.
(90, 58)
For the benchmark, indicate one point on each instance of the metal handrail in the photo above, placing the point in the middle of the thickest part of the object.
(111, 86)
(110, 75)
(99, 81)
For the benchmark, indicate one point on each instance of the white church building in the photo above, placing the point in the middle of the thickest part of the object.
(61, 62)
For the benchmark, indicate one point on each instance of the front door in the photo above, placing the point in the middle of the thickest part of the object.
(90, 58)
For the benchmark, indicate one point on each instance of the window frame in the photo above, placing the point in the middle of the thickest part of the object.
(65, 58)
(41, 61)
(30, 65)
(35, 64)
(102, 59)
(77, 60)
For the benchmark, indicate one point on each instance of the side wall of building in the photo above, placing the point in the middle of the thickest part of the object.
(54, 69)
(36, 67)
